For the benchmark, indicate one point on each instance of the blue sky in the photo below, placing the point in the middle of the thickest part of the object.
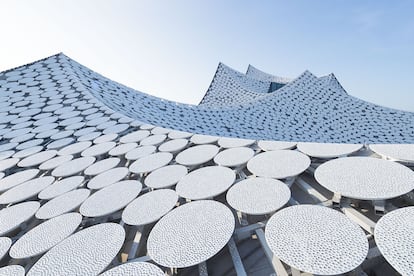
(171, 49)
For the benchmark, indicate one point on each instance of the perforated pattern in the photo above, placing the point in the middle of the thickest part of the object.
(149, 207)
(45, 236)
(258, 196)
(401, 152)
(205, 183)
(62, 204)
(86, 252)
(110, 199)
(135, 269)
(316, 239)
(394, 235)
(365, 178)
(12, 217)
(15, 270)
(327, 150)
(194, 232)
(61, 120)
(278, 164)
(5, 244)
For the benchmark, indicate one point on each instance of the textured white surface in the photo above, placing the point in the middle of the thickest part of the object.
(173, 145)
(5, 244)
(8, 163)
(394, 236)
(44, 236)
(62, 204)
(260, 75)
(55, 162)
(57, 144)
(200, 139)
(13, 216)
(135, 136)
(26, 190)
(110, 199)
(226, 142)
(89, 136)
(166, 176)
(153, 140)
(135, 269)
(258, 196)
(205, 182)
(106, 137)
(61, 186)
(146, 126)
(17, 178)
(119, 128)
(25, 152)
(234, 156)
(149, 207)
(56, 102)
(160, 130)
(6, 154)
(15, 270)
(75, 148)
(8, 146)
(176, 134)
(194, 232)
(151, 162)
(316, 240)
(140, 152)
(365, 178)
(286, 114)
(86, 252)
(275, 145)
(99, 149)
(73, 167)
(197, 155)
(107, 178)
(278, 164)
(398, 152)
(37, 158)
(122, 149)
(102, 165)
(327, 150)
(230, 88)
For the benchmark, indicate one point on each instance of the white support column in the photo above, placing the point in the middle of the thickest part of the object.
(379, 206)
(367, 224)
(336, 198)
(307, 188)
(242, 218)
(136, 244)
(276, 263)
(246, 231)
(293, 202)
(295, 272)
(202, 269)
(235, 256)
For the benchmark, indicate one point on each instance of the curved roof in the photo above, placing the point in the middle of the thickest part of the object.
(230, 87)
(57, 107)
(260, 75)
(306, 109)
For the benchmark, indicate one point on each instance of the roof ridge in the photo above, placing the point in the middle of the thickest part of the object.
(31, 63)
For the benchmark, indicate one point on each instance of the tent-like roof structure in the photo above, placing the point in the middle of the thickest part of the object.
(307, 108)
(96, 177)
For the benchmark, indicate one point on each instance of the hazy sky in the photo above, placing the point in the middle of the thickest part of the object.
(171, 49)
